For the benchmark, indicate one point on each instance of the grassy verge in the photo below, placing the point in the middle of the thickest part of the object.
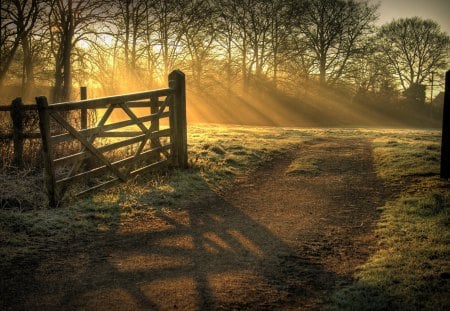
(411, 269)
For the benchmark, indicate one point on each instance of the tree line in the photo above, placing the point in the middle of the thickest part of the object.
(281, 44)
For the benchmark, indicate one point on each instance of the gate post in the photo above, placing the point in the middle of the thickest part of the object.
(17, 121)
(177, 82)
(83, 111)
(49, 170)
(154, 126)
(445, 147)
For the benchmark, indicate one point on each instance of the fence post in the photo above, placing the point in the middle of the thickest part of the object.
(177, 81)
(154, 126)
(83, 114)
(49, 173)
(445, 147)
(17, 114)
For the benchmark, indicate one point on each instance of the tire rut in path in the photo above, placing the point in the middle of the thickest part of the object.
(274, 241)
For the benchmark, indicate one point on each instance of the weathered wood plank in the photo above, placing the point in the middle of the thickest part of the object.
(154, 125)
(24, 136)
(103, 131)
(101, 170)
(100, 186)
(17, 134)
(142, 104)
(25, 107)
(88, 145)
(150, 167)
(83, 111)
(115, 181)
(177, 82)
(84, 154)
(49, 174)
(104, 102)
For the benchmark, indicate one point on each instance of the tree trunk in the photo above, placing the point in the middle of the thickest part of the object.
(322, 70)
(28, 66)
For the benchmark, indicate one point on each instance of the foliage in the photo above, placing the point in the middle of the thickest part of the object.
(122, 46)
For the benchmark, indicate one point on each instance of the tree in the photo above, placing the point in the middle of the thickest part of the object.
(333, 31)
(131, 21)
(414, 48)
(168, 31)
(199, 35)
(70, 22)
(17, 19)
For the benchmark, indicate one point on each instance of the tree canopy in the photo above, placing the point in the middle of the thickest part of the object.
(414, 48)
(283, 44)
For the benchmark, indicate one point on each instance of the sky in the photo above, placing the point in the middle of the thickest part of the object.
(437, 10)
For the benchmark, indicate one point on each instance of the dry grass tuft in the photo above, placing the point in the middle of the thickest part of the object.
(21, 190)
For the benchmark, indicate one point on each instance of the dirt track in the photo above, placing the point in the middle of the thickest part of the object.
(273, 242)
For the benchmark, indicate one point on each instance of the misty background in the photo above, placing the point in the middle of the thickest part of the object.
(255, 62)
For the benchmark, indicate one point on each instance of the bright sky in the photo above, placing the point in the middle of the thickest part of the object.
(437, 10)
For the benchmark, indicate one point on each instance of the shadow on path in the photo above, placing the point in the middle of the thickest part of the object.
(273, 242)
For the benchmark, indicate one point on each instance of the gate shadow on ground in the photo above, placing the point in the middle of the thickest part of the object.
(207, 256)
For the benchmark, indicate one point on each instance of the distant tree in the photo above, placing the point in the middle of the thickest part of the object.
(333, 31)
(70, 22)
(17, 19)
(130, 21)
(254, 33)
(414, 48)
(226, 39)
(280, 30)
(168, 31)
(199, 35)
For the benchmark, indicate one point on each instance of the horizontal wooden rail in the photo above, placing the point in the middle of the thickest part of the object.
(24, 107)
(104, 130)
(105, 102)
(24, 136)
(117, 164)
(114, 181)
(82, 155)
(131, 104)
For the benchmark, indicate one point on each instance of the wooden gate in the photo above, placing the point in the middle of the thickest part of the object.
(113, 151)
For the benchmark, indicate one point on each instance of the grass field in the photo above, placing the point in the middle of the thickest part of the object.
(410, 270)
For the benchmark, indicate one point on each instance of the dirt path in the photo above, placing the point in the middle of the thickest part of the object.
(274, 242)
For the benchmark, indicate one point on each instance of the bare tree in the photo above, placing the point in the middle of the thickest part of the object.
(131, 20)
(70, 22)
(226, 39)
(333, 31)
(168, 30)
(17, 19)
(199, 35)
(414, 48)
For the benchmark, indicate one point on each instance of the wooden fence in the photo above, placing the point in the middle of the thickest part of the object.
(17, 111)
(112, 150)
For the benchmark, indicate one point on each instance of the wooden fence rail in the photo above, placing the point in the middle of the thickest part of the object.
(134, 145)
